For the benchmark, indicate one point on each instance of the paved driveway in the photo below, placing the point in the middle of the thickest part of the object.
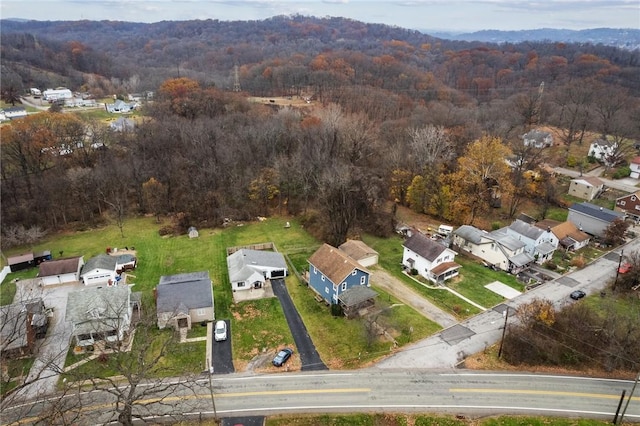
(309, 357)
(222, 353)
(52, 350)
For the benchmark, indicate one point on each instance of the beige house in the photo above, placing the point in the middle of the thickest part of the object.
(360, 252)
(184, 299)
(586, 187)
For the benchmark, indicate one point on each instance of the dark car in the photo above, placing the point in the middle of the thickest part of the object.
(282, 357)
(578, 294)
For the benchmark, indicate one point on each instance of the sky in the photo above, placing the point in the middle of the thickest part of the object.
(439, 15)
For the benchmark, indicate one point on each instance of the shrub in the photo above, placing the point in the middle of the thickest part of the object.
(495, 226)
(413, 271)
(622, 172)
(165, 230)
(571, 161)
(550, 265)
(578, 261)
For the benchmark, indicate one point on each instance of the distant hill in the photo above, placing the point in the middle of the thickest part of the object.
(628, 39)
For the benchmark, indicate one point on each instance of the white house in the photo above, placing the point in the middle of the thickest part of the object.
(120, 106)
(586, 187)
(602, 149)
(59, 93)
(497, 249)
(60, 271)
(99, 270)
(11, 113)
(360, 252)
(431, 259)
(539, 243)
(251, 268)
(537, 138)
(569, 236)
(634, 165)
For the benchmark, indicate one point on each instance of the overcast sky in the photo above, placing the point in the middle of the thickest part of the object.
(455, 15)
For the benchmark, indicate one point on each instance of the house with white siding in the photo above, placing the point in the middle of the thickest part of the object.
(429, 258)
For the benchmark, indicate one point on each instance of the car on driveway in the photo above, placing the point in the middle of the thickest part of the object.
(220, 331)
(282, 356)
(624, 268)
(578, 294)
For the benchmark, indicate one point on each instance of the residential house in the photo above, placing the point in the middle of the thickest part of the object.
(602, 149)
(537, 138)
(430, 258)
(20, 325)
(634, 165)
(539, 243)
(122, 124)
(119, 106)
(586, 187)
(21, 262)
(99, 270)
(332, 273)
(250, 268)
(497, 249)
(100, 314)
(125, 262)
(569, 236)
(592, 219)
(11, 113)
(60, 271)
(360, 252)
(184, 299)
(629, 205)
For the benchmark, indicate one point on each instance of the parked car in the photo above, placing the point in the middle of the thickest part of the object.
(282, 357)
(220, 332)
(624, 268)
(578, 294)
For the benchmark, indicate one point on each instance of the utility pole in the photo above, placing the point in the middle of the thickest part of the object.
(213, 401)
(618, 270)
(629, 399)
(504, 330)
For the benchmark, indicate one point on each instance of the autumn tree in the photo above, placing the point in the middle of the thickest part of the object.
(264, 187)
(482, 177)
(614, 233)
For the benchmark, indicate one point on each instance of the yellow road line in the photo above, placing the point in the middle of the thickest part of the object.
(539, 392)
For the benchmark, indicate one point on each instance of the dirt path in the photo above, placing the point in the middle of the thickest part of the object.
(398, 289)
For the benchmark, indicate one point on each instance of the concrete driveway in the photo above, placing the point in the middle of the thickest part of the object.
(52, 350)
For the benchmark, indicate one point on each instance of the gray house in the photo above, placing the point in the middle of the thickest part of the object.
(184, 299)
(250, 268)
(592, 219)
(537, 138)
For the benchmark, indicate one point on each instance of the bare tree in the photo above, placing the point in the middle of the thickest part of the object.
(430, 146)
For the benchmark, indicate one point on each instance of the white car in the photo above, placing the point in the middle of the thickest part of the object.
(220, 331)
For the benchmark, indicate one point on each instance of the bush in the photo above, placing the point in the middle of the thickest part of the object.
(578, 262)
(550, 265)
(622, 172)
(413, 271)
(572, 161)
(495, 226)
(165, 230)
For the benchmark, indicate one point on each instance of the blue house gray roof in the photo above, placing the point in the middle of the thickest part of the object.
(192, 290)
(597, 212)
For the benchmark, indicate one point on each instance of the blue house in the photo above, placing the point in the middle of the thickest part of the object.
(332, 273)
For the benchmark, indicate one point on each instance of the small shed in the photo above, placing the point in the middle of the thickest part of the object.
(21, 262)
(193, 232)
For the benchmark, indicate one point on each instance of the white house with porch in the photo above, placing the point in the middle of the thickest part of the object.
(430, 258)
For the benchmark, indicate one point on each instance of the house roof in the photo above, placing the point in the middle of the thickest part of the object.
(101, 261)
(501, 237)
(597, 212)
(356, 295)
(536, 134)
(334, 263)
(636, 160)
(624, 197)
(20, 258)
(526, 229)
(97, 309)
(244, 262)
(13, 323)
(545, 248)
(42, 253)
(526, 218)
(357, 249)
(604, 143)
(568, 229)
(588, 181)
(193, 290)
(125, 258)
(470, 233)
(547, 223)
(59, 266)
(444, 267)
(521, 259)
(424, 246)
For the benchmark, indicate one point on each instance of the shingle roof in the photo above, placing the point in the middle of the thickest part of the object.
(568, 229)
(356, 295)
(521, 259)
(444, 267)
(506, 240)
(596, 211)
(424, 246)
(242, 263)
(13, 323)
(96, 309)
(589, 181)
(101, 261)
(193, 290)
(58, 266)
(334, 263)
(526, 229)
(21, 258)
(470, 233)
(357, 249)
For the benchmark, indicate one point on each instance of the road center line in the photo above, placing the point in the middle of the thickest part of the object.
(538, 392)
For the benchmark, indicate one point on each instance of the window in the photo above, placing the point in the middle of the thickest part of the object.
(633, 198)
(200, 312)
(363, 280)
(326, 290)
(344, 286)
(240, 284)
(315, 271)
(322, 277)
(622, 203)
(354, 272)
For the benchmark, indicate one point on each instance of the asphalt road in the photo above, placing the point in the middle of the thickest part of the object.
(462, 392)
(309, 357)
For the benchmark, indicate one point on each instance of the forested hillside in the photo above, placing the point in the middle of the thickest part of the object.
(392, 115)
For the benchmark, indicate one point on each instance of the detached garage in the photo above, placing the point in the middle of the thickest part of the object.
(60, 271)
(20, 262)
(360, 252)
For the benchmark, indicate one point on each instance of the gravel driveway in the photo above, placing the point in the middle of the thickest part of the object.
(392, 285)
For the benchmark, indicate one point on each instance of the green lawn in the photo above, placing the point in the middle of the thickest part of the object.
(8, 286)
